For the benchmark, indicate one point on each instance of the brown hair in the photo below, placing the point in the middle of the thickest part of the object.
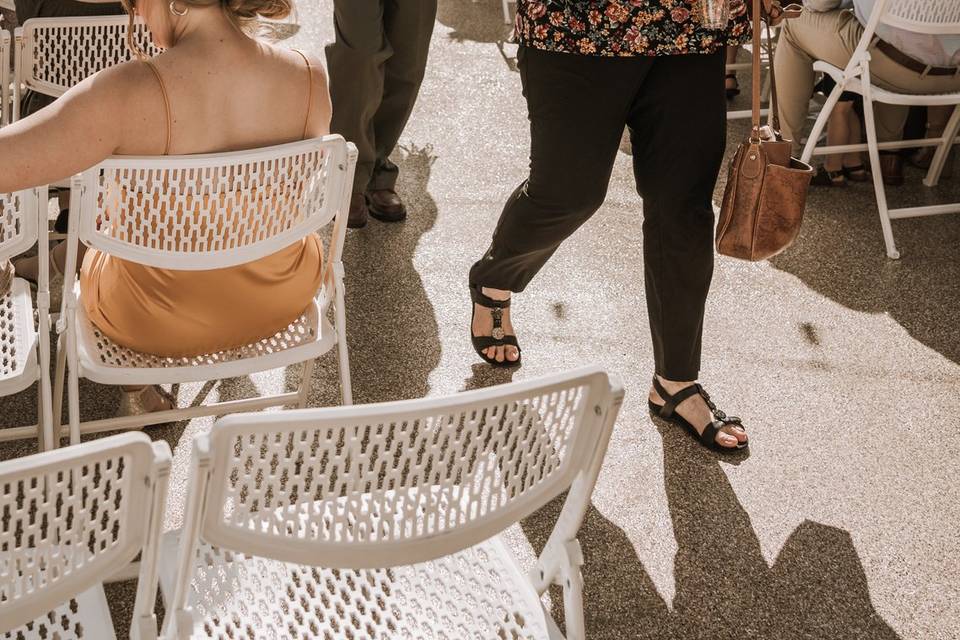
(243, 13)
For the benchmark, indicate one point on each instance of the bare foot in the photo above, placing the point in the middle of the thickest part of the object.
(483, 326)
(695, 411)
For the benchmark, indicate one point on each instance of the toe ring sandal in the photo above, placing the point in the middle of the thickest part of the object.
(499, 338)
(708, 438)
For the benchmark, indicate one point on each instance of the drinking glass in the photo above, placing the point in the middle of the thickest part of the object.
(714, 14)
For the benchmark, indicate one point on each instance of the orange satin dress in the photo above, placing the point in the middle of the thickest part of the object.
(189, 313)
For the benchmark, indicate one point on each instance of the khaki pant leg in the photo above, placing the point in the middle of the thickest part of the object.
(890, 75)
(830, 36)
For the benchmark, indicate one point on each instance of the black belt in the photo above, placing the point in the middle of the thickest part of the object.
(913, 64)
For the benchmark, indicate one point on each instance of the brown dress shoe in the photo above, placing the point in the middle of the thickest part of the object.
(385, 205)
(891, 169)
(358, 211)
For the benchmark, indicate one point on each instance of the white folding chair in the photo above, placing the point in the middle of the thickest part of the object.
(382, 521)
(54, 54)
(4, 77)
(919, 16)
(181, 213)
(73, 519)
(24, 346)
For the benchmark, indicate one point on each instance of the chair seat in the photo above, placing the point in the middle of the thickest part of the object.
(886, 96)
(106, 362)
(479, 593)
(18, 340)
(86, 616)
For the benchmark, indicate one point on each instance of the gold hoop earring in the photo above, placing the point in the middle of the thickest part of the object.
(173, 9)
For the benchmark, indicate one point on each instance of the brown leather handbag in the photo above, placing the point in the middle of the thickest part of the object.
(766, 188)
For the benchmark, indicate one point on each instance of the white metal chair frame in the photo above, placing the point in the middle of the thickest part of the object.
(25, 347)
(75, 518)
(54, 54)
(770, 33)
(312, 178)
(4, 77)
(919, 16)
(380, 488)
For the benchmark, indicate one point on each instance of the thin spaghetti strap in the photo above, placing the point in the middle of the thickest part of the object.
(309, 91)
(166, 105)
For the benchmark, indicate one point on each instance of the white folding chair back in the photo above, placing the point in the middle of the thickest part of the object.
(54, 54)
(72, 519)
(383, 519)
(208, 212)
(4, 77)
(24, 346)
(932, 17)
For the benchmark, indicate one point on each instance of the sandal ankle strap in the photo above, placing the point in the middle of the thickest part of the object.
(485, 301)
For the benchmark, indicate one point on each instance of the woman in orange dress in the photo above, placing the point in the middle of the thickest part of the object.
(214, 89)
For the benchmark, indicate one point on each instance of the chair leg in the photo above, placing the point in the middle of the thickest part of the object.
(943, 150)
(874, 153)
(343, 358)
(305, 383)
(820, 123)
(58, 389)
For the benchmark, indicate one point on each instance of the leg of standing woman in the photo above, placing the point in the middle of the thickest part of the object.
(678, 134)
(577, 107)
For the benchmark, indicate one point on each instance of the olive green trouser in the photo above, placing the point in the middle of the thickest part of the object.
(376, 65)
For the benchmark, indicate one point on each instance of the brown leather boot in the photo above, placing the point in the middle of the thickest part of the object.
(386, 206)
(358, 211)
(891, 169)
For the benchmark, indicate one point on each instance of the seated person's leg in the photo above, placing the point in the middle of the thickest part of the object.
(831, 36)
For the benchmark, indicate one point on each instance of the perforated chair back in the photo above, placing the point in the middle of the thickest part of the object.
(73, 517)
(19, 222)
(922, 16)
(212, 211)
(399, 483)
(54, 54)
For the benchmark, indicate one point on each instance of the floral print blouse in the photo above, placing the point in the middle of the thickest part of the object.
(625, 27)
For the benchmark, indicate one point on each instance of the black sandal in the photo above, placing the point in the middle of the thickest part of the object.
(709, 436)
(734, 91)
(499, 338)
(826, 178)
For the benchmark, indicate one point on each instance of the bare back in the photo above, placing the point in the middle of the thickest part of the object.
(240, 97)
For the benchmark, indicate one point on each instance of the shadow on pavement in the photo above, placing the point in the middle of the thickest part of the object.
(816, 587)
(391, 325)
(840, 254)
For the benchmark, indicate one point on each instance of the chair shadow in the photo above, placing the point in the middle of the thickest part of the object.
(917, 291)
(840, 253)
(816, 588)
(392, 331)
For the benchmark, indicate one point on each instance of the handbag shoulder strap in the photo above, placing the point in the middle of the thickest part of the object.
(755, 69)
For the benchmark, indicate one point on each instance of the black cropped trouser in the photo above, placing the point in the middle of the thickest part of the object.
(578, 107)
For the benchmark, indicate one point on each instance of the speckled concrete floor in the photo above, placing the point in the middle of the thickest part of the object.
(845, 365)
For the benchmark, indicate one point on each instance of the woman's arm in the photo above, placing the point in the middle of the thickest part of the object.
(84, 126)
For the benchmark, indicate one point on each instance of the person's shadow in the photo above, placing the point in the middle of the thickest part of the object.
(392, 331)
(816, 587)
(479, 21)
